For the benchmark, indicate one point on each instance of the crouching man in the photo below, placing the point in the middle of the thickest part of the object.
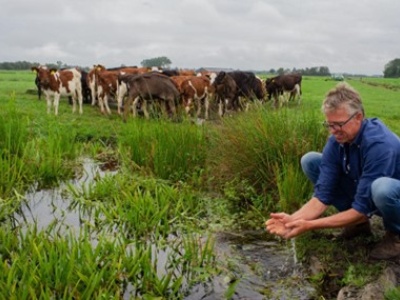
(358, 173)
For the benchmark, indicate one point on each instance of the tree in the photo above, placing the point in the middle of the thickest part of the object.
(160, 62)
(392, 69)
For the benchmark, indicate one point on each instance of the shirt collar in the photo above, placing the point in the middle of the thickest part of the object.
(358, 138)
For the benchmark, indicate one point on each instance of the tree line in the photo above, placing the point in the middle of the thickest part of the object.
(26, 65)
(391, 69)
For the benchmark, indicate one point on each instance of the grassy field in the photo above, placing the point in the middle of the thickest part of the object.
(176, 183)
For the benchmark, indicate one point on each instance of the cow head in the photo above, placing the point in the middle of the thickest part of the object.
(219, 78)
(44, 75)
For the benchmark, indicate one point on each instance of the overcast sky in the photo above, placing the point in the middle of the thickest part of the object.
(346, 36)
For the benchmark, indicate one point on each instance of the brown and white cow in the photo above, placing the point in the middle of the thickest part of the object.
(179, 79)
(91, 81)
(197, 92)
(187, 72)
(56, 83)
(287, 83)
(106, 84)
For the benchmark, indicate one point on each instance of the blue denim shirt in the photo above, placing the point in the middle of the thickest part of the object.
(374, 153)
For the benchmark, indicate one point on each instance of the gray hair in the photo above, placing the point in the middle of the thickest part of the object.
(343, 95)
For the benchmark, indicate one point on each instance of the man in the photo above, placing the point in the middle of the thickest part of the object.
(358, 173)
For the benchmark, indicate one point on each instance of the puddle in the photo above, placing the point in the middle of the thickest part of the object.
(48, 206)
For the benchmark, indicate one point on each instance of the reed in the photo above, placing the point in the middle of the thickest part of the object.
(162, 148)
(260, 147)
(14, 135)
(53, 153)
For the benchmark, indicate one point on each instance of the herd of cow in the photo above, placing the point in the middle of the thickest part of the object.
(134, 87)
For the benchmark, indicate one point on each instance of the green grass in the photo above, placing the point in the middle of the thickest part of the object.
(176, 181)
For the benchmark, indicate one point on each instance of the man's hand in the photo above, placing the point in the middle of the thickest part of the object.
(281, 224)
(277, 227)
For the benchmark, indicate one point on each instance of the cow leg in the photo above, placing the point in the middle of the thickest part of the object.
(172, 108)
(93, 93)
(49, 103)
(134, 107)
(127, 107)
(106, 104)
(188, 105)
(56, 102)
(80, 101)
(100, 96)
(298, 94)
(119, 102)
(101, 103)
(221, 107)
(276, 100)
(73, 98)
(145, 108)
(198, 110)
(206, 107)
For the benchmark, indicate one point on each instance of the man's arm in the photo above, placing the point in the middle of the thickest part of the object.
(310, 211)
(341, 219)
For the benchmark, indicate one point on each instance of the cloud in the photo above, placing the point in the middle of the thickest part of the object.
(355, 37)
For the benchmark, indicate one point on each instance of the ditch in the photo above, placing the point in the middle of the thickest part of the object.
(257, 267)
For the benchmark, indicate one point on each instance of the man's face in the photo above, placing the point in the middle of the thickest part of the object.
(342, 125)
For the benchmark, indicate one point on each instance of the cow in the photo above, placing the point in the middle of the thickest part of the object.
(186, 72)
(248, 87)
(179, 79)
(39, 89)
(170, 72)
(149, 87)
(92, 82)
(209, 74)
(225, 92)
(106, 87)
(106, 84)
(86, 91)
(56, 83)
(278, 85)
(197, 91)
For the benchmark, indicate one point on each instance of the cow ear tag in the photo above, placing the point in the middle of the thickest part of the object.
(34, 71)
(52, 72)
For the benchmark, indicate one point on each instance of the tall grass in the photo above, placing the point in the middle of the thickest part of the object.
(140, 207)
(53, 152)
(263, 147)
(143, 246)
(162, 148)
(14, 136)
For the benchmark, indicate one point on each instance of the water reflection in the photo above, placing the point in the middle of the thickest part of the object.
(52, 206)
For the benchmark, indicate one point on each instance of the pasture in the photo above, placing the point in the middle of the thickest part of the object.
(147, 226)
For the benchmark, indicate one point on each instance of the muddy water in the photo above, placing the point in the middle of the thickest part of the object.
(264, 268)
(258, 266)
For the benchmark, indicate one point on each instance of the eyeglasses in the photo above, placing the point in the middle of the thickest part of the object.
(338, 125)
